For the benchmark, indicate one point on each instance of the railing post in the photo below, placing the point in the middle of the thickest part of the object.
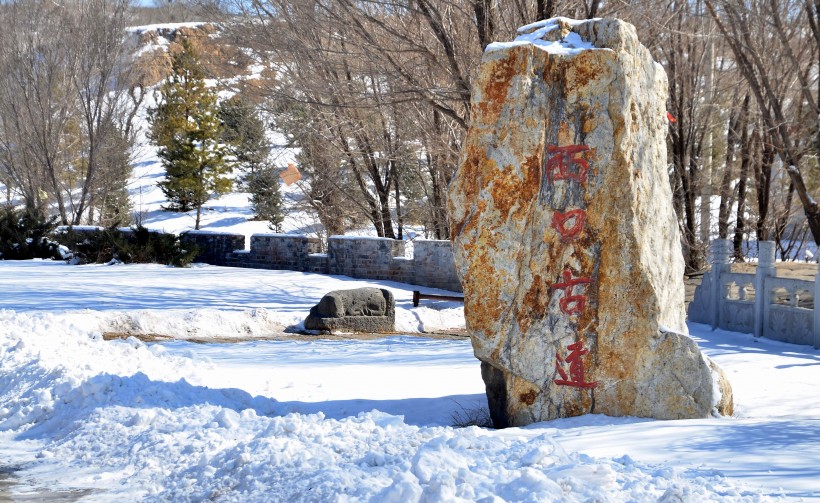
(720, 251)
(765, 269)
(817, 310)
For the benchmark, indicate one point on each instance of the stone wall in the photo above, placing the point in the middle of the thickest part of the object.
(371, 258)
(276, 251)
(215, 249)
(432, 265)
(358, 257)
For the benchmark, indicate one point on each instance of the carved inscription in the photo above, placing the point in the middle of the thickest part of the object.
(571, 303)
(576, 375)
(569, 224)
(566, 163)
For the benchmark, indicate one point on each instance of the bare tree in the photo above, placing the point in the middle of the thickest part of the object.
(783, 28)
(726, 192)
(36, 102)
(102, 81)
(64, 103)
(684, 46)
(742, 123)
(385, 89)
(763, 183)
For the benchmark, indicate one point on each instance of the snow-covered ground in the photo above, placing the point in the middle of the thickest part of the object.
(336, 419)
(342, 419)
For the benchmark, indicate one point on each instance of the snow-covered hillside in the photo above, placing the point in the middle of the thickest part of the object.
(229, 213)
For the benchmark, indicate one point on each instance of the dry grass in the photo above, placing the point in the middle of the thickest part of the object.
(464, 417)
(281, 336)
(797, 270)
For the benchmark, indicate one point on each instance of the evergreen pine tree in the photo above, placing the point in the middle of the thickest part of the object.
(187, 130)
(266, 197)
(244, 132)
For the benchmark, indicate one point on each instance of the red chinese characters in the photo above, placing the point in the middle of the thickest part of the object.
(576, 375)
(565, 163)
(569, 303)
(569, 224)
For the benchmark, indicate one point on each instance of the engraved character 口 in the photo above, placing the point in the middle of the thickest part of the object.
(569, 224)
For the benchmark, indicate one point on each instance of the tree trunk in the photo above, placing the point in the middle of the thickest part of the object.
(545, 9)
(782, 221)
(485, 21)
(707, 151)
(399, 216)
(725, 184)
(763, 183)
(745, 152)
(592, 8)
(438, 197)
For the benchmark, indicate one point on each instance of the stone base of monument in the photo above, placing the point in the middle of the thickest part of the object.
(668, 383)
(370, 310)
(565, 236)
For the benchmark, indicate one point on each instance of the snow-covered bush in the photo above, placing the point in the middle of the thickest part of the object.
(24, 235)
(135, 245)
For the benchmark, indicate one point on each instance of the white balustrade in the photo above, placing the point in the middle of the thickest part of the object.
(783, 309)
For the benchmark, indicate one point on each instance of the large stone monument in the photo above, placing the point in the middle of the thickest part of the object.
(565, 237)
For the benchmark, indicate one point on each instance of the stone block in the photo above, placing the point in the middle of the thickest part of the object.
(565, 237)
(371, 310)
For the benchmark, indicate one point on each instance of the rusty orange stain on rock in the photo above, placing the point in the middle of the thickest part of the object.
(494, 93)
(585, 68)
(588, 125)
(534, 304)
(528, 397)
(504, 191)
(473, 158)
(574, 409)
(509, 190)
(532, 177)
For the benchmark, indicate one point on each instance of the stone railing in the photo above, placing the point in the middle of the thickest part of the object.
(762, 304)
(432, 264)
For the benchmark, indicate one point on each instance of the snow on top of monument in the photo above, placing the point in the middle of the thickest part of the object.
(535, 34)
(551, 24)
